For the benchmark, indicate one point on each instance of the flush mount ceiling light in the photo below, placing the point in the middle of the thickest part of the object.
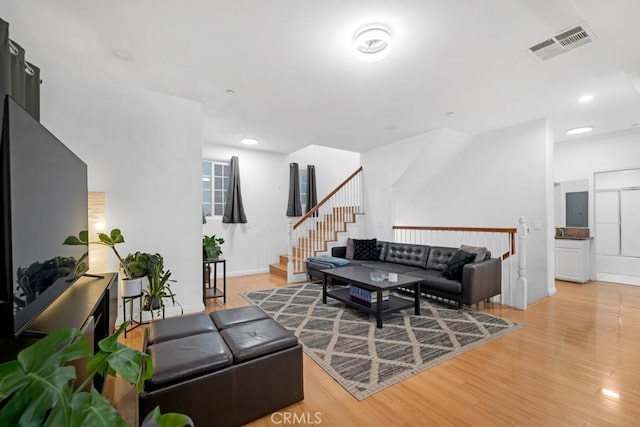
(372, 43)
(585, 98)
(249, 141)
(580, 130)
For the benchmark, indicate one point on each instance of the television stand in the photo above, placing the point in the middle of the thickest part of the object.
(90, 304)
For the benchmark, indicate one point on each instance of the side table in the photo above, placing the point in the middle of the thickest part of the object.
(134, 322)
(209, 289)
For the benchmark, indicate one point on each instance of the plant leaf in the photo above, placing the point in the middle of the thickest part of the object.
(40, 380)
(105, 239)
(116, 236)
(171, 419)
(133, 365)
(93, 409)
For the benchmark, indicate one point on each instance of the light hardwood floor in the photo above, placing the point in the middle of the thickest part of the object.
(553, 372)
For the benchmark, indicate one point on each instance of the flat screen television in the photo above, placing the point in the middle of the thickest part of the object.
(43, 191)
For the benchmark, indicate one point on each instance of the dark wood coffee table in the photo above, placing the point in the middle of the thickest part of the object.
(360, 276)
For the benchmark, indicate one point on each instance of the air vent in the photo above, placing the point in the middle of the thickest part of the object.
(563, 42)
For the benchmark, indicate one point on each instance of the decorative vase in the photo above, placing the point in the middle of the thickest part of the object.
(130, 287)
(211, 252)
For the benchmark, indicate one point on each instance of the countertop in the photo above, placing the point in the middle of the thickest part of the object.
(573, 238)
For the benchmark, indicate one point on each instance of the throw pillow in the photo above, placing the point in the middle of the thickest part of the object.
(349, 252)
(481, 252)
(456, 263)
(365, 250)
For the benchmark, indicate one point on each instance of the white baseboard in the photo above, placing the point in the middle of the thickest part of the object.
(246, 272)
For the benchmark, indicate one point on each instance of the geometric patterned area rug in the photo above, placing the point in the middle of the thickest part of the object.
(365, 359)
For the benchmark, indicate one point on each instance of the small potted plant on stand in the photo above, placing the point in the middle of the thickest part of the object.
(212, 246)
(159, 285)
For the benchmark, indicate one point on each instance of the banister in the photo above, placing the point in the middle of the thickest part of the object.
(323, 201)
(510, 230)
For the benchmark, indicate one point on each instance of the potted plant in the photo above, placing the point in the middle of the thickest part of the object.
(39, 387)
(212, 246)
(131, 283)
(159, 284)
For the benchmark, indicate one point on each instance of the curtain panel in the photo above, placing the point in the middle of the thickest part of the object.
(234, 208)
(18, 78)
(294, 206)
(312, 192)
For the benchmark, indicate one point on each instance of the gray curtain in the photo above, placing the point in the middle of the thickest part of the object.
(18, 78)
(312, 192)
(234, 209)
(294, 207)
(17, 73)
(5, 61)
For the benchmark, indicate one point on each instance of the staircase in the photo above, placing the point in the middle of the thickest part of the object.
(318, 228)
(318, 239)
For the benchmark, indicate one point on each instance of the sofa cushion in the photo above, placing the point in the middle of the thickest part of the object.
(438, 257)
(480, 251)
(254, 339)
(434, 279)
(407, 254)
(456, 263)
(188, 357)
(234, 316)
(365, 249)
(349, 249)
(178, 327)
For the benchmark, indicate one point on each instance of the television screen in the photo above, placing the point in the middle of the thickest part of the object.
(45, 188)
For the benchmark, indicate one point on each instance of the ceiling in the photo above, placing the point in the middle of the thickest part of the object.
(463, 64)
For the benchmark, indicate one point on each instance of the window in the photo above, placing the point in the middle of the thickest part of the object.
(302, 174)
(215, 180)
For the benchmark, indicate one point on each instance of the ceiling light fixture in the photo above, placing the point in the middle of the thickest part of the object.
(372, 43)
(249, 141)
(585, 98)
(578, 131)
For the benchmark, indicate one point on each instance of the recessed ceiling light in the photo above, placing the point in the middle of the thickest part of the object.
(249, 141)
(230, 92)
(372, 43)
(580, 130)
(585, 98)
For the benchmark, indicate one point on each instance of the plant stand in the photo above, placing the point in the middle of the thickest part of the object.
(134, 322)
(209, 289)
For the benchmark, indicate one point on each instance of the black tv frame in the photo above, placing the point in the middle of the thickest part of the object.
(13, 323)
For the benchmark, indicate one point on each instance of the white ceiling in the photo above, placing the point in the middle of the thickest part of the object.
(297, 82)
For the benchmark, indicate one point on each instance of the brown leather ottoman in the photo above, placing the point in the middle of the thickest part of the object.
(250, 368)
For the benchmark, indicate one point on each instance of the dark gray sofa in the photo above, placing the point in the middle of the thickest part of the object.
(480, 280)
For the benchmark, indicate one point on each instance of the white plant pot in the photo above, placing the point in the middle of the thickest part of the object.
(130, 287)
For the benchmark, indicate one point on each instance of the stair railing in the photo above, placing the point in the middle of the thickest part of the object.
(310, 234)
(500, 241)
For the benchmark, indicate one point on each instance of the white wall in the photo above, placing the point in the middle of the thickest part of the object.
(580, 160)
(332, 165)
(143, 149)
(447, 178)
(250, 248)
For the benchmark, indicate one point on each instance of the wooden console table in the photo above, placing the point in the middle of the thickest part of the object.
(211, 290)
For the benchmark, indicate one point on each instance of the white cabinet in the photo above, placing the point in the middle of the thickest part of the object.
(572, 260)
